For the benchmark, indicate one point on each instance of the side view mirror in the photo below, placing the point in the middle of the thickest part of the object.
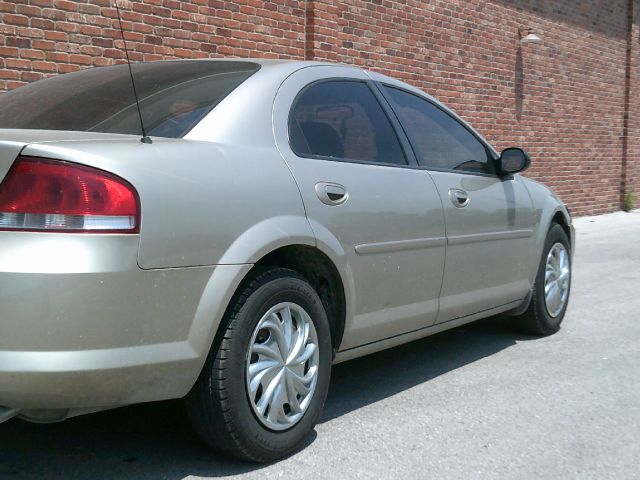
(513, 160)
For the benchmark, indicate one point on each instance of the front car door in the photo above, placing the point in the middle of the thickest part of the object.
(489, 220)
(364, 193)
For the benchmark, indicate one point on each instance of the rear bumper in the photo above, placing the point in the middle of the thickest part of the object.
(83, 327)
(96, 378)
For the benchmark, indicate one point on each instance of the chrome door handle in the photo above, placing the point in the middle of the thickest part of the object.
(458, 197)
(331, 193)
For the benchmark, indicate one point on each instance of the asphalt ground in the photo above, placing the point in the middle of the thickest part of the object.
(482, 401)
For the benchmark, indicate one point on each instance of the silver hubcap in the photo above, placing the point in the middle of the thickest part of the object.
(282, 366)
(556, 279)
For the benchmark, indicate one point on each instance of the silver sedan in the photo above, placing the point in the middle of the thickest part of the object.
(243, 226)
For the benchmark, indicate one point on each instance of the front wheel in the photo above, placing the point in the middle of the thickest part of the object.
(264, 384)
(550, 294)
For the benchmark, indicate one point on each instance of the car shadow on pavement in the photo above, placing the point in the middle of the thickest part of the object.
(366, 380)
(154, 441)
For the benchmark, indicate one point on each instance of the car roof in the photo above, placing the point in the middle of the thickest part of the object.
(294, 65)
(287, 67)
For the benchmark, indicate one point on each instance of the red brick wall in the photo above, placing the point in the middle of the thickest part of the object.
(43, 37)
(564, 99)
(633, 134)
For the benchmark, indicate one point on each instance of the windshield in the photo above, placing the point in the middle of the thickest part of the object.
(174, 97)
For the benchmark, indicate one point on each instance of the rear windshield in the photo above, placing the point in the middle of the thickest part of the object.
(174, 97)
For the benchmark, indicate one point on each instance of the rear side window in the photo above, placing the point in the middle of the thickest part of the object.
(174, 97)
(442, 141)
(342, 119)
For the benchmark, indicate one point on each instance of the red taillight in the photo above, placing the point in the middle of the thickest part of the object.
(52, 195)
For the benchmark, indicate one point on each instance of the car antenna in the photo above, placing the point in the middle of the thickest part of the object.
(145, 138)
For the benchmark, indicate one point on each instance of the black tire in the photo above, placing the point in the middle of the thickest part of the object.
(218, 405)
(536, 319)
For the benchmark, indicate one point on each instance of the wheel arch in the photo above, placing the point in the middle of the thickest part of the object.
(319, 270)
(553, 211)
(562, 219)
(228, 280)
(286, 242)
(550, 212)
(306, 248)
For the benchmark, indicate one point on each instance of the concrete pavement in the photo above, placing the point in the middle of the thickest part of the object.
(477, 402)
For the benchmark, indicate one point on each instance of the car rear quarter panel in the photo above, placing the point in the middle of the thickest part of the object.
(144, 306)
(202, 203)
(8, 152)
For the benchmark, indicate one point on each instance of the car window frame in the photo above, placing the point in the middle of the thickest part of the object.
(491, 158)
(405, 145)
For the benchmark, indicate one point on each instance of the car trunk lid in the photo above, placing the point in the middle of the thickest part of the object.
(12, 142)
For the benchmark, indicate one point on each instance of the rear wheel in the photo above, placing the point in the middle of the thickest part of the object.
(264, 384)
(550, 294)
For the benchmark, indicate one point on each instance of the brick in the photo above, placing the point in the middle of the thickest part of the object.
(17, 64)
(18, 42)
(7, 7)
(43, 24)
(28, 10)
(9, 74)
(44, 66)
(57, 36)
(57, 57)
(43, 45)
(102, 42)
(31, 53)
(11, 19)
(68, 27)
(9, 52)
(30, 76)
(80, 59)
(66, 5)
(67, 67)
(10, 85)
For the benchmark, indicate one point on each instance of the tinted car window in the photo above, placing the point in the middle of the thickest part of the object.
(174, 97)
(443, 143)
(343, 120)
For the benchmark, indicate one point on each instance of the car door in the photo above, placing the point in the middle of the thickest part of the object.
(361, 191)
(489, 220)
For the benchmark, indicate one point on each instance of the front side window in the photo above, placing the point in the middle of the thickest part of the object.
(442, 142)
(174, 97)
(342, 119)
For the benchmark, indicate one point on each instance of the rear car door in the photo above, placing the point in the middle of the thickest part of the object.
(489, 220)
(363, 191)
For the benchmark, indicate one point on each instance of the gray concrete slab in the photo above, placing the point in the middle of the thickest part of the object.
(477, 402)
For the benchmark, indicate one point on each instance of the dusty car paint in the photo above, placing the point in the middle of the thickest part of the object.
(97, 321)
